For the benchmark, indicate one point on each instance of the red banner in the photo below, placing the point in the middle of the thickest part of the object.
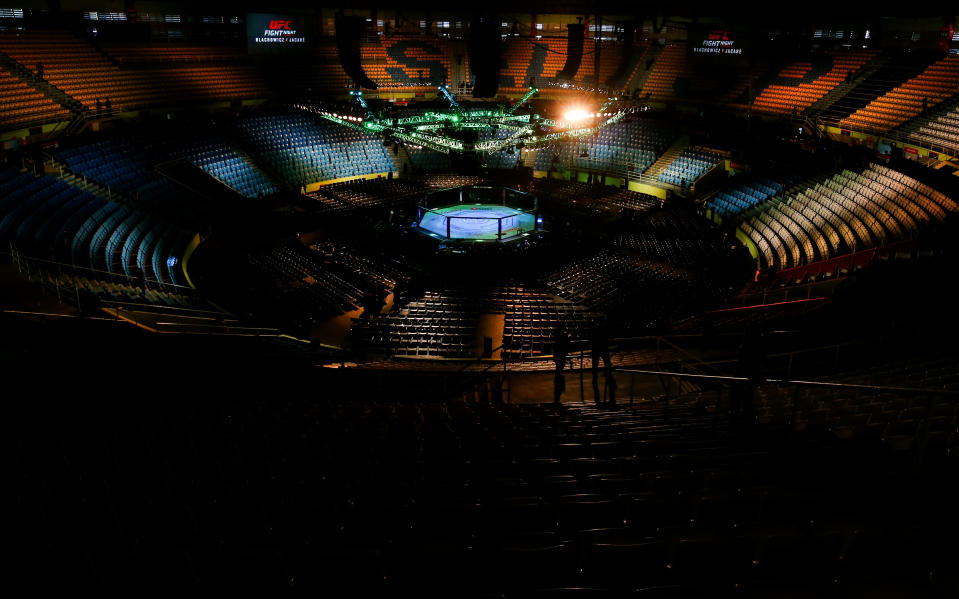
(909, 150)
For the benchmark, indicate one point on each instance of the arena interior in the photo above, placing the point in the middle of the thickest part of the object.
(576, 299)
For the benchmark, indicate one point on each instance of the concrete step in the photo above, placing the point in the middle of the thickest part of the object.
(668, 156)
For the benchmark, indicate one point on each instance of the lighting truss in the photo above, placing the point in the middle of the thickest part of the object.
(433, 129)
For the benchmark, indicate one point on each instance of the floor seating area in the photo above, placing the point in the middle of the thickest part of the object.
(306, 286)
(416, 328)
(676, 238)
(689, 166)
(596, 196)
(610, 279)
(444, 180)
(397, 496)
(21, 105)
(379, 271)
(532, 317)
(845, 213)
(364, 193)
(935, 84)
(632, 200)
(903, 426)
(440, 324)
(304, 150)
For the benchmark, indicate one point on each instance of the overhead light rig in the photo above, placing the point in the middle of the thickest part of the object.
(432, 128)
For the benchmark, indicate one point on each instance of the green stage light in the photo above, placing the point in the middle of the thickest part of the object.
(508, 129)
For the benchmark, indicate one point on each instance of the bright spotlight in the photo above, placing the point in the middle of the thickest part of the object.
(575, 114)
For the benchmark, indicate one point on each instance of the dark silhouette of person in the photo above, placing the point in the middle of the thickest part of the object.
(560, 352)
(599, 350)
(108, 105)
(99, 106)
(39, 70)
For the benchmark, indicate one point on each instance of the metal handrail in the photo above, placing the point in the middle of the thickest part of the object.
(796, 382)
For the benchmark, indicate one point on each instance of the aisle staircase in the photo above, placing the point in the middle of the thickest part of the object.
(402, 162)
(825, 103)
(668, 157)
(45, 87)
(641, 75)
(889, 70)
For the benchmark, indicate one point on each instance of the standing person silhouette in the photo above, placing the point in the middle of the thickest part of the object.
(599, 350)
(560, 352)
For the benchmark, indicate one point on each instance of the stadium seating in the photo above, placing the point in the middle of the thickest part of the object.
(690, 166)
(503, 158)
(226, 165)
(940, 128)
(596, 196)
(423, 159)
(444, 180)
(48, 218)
(306, 285)
(628, 146)
(170, 53)
(364, 193)
(438, 325)
(21, 105)
(937, 83)
(126, 164)
(668, 67)
(674, 238)
(746, 195)
(511, 498)
(802, 83)
(402, 61)
(396, 463)
(613, 279)
(518, 66)
(845, 213)
(78, 69)
(305, 151)
(533, 316)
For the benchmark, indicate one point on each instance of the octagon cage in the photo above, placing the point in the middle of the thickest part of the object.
(478, 213)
